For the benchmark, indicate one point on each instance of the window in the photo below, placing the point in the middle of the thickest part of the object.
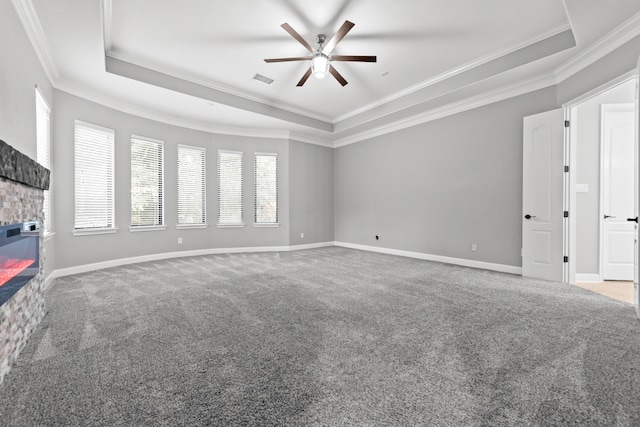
(266, 186)
(43, 150)
(146, 182)
(94, 202)
(230, 210)
(191, 185)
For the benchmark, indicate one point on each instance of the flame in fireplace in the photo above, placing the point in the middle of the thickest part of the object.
(11, 267)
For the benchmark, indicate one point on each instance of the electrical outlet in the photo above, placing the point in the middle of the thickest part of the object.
(302, 235)
(179, 240)
(474, 247)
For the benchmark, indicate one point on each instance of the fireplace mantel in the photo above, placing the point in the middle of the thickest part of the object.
(21, 168)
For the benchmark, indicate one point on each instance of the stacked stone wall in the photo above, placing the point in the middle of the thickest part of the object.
(21, 314)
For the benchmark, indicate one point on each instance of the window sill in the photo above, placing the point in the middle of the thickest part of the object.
(136, 228)
(241, 225)
(93, 231)
(188, 226)
(266, 225)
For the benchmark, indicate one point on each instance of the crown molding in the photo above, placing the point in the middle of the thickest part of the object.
(308, 139)
(631, 74)
(599, 49)
(455, 71)
(151, 114)
(466, 104)
(31, 23)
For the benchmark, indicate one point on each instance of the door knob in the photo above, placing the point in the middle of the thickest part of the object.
(609, 216)
(527, 216)
(633, 219)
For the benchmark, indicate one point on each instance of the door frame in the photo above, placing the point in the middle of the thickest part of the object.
(570, 181)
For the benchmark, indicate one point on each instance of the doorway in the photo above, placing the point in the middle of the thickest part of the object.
(602, 144)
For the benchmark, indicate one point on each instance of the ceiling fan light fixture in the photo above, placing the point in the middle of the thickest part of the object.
(320, 65)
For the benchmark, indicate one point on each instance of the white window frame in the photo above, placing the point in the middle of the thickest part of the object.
(43, 154)
(222, 223)
(184, 187)
(257, 191)
(161, 199)
(105, 140)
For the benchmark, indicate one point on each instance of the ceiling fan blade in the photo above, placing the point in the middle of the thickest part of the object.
(295, 58)
(357, 58)
(297, 36)
(337, 75)
(305, 77)
(339, 35)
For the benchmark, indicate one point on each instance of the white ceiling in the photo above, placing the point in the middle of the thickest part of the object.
(192, 63)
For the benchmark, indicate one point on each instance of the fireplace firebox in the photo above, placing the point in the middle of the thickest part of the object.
(19, 257)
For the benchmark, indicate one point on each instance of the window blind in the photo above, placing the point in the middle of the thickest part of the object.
(266, 188)
(230, 211)
(43, 150)
(94, 201)
(191, 185)
(146, 182)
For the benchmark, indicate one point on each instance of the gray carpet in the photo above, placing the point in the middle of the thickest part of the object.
(326, 337)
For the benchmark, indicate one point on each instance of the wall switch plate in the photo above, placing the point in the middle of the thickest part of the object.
(302, 235)
(474, 247)
(582, 188)
(179, 240)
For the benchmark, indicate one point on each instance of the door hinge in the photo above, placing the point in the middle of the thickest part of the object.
(566, 259)
(567, 123)
(566, 214)
(566, 168)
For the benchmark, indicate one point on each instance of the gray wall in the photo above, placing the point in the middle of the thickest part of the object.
(79, 250)
(311, 194)
(588, 172)
(20, 73)
(438, 187)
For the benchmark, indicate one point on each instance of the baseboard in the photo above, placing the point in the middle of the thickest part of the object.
(86, 268)
(311, 246)
(49, 279)
(588, 278)
(428, 257)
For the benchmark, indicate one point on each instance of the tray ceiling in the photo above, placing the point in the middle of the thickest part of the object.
(193, 62)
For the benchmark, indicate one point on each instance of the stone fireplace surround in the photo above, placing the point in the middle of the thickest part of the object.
(22, 182)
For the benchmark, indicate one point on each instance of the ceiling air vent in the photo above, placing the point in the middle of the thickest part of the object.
(263, 79)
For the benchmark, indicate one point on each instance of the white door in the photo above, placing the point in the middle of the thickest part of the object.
(618, 141)
(542, 204)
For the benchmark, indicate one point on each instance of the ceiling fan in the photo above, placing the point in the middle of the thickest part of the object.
(321, 57)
